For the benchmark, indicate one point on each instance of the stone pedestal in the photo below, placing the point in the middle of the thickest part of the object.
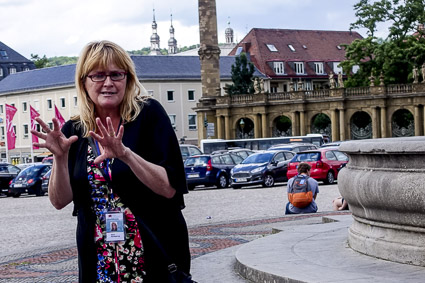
(384, 184)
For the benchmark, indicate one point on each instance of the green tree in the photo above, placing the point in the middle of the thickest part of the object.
(61, 60)
(39, 62)
(394, 56)
(242, 74)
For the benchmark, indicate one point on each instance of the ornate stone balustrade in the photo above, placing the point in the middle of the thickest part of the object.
(346, 93)
(399, 88)
(357, 91)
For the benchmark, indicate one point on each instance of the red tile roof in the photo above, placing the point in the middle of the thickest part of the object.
(309, 45)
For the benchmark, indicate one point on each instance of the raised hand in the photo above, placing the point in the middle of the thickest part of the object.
(55, 141)
(112, 144)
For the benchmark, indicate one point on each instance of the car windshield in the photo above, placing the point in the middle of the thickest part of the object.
(306, 156)
(258, 158)
(30, 171)
(282, 148)
(197, 161)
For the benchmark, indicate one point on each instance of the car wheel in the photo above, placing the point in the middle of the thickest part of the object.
(222, 182)
(39, 192)
(268, 181)
(330, 179)
(16, 195)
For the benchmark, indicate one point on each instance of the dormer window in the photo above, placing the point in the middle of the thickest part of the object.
(305, 47)
(336, 68)
(318, 68)
(3, 54)
(239, 50)
(278, 68)
(299, 67)
(339, 47)
(291, 47)
(271, 47)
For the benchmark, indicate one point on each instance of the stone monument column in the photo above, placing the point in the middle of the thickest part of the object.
(209, 55)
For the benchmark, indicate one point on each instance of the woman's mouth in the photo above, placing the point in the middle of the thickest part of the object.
(107, 93)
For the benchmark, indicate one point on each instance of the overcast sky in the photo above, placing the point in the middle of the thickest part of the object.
(63, 27)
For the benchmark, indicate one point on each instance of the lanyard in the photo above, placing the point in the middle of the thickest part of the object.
(108, 161)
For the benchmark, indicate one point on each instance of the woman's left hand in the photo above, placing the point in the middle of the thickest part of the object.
(112, 144)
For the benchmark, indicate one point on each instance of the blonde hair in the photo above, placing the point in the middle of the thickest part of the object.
(99, 54)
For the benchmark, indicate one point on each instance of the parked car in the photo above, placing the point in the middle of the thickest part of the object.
(333, 144)
(210, 170)
(263, 168)
(47, 160)
(242, 152)
(325, 163)
(189, 150)
(295, 147)
(22, 166)
(45, 181)
(29, 180)
(7, 173)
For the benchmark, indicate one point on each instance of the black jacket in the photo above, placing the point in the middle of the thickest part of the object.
(152, 137)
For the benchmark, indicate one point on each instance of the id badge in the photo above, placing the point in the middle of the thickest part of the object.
(115, 229)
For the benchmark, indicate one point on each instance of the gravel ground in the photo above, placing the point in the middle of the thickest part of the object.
(30, 222)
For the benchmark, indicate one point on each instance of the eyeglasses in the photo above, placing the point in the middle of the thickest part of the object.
(101, 77)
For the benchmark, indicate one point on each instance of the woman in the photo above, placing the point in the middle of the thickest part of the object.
(119, 159)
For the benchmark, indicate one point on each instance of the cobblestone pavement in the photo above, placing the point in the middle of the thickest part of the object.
(213, 216)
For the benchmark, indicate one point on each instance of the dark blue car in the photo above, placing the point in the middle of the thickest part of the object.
(210, 170)
(29, 180)
(263, 168)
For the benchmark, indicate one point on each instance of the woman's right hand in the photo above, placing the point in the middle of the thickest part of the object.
(56, 142)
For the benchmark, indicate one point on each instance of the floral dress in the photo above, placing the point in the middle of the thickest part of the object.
(116, 261)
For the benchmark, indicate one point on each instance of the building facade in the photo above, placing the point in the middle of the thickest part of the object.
(175, 81)
(296, 59)
(12, 62)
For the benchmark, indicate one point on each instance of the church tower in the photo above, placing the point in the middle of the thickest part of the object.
(172, 42)
(229, 33)
(155, 50)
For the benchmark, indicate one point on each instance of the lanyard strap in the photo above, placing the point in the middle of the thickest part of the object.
(108, 161)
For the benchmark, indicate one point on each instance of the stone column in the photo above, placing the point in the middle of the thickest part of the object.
(334, 124)
(423, 115)
(342, 136)
(375, 124)
(384, 130)
(302, 124)
(295, 124)
(209, 52)
(219, 127)
(209, 55)
(264, 124)
(227, 127)
(417, 119)
(202, 131)
(257, 127)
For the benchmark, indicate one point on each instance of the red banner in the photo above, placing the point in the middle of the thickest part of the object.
(10, 131)
(59, 117)
(34, 114)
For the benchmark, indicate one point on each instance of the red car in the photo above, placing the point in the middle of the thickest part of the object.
(325, 163)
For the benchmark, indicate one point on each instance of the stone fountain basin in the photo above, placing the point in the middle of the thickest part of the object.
(384, 184)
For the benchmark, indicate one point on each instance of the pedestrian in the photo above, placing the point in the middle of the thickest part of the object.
(119, 160)
(312, 186)
(339, 203)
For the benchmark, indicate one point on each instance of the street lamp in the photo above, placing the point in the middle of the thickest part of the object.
(242, 125)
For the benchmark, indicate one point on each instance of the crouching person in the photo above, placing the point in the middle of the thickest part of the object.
(302, 191)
